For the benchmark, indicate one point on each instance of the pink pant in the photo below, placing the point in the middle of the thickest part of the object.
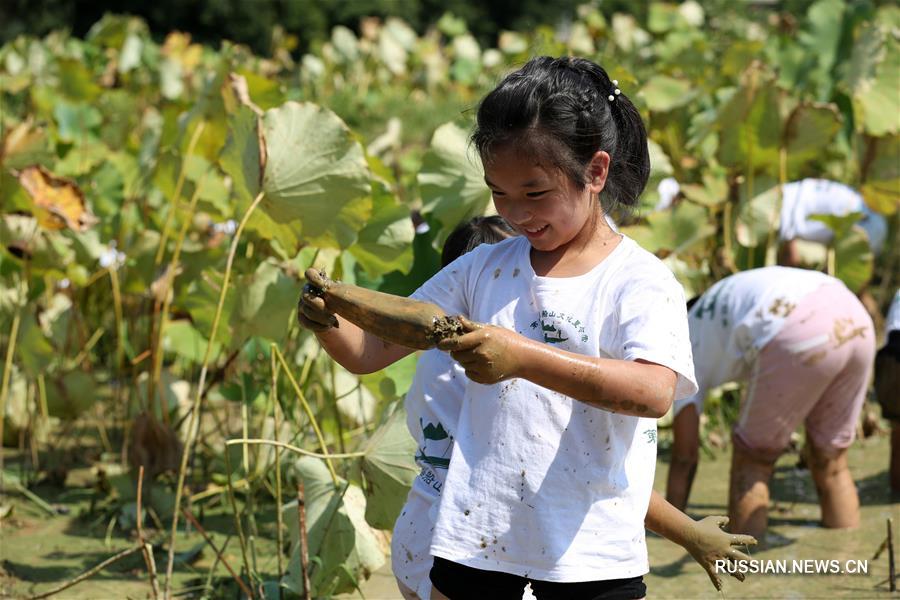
(814, 371)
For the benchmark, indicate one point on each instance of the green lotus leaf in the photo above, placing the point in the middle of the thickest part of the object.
(385, 243)
(853, 258)
(76, 122)
(48, 252)
(284, 235)
(712, 192)
(451, 181)
(34, 352)
(808, 130)
(392, 382)
(839, 225)
(315, 169)
(673, 231)
(266, 93)
(83, 158)
(749, 125)
(55, 317)
(663, 17)
(69, 396)
(881, 174)
(181, 338)
(342, 547)
(388, 468)
(663, 93)
(265, 303)
(76, 81)
(873, 76)
(758, 218)
(24, 145)
(201, 299)
(354, 401)
(346, 224)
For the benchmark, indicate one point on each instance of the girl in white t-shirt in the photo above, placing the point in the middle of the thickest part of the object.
(804, 344)
(577, 341)
(433, 404)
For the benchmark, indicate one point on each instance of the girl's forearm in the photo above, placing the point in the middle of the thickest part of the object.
(666, 520)
(358, 351)
(626, 387)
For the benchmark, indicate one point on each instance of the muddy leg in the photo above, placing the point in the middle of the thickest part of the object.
(834, 484)
(895, 456)
(748, 493)
(406, 592)
(437, 595)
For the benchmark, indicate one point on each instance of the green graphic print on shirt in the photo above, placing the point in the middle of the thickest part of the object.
(435, 451)
(552, 324)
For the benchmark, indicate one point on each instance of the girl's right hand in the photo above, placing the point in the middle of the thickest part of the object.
(312, 313)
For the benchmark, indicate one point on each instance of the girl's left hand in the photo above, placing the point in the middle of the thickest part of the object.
(488, 353)
(707, 543)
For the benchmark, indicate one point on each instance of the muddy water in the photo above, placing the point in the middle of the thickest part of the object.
(35, 550)
(793, 534)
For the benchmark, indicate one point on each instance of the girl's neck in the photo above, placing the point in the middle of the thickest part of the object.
(586, 250)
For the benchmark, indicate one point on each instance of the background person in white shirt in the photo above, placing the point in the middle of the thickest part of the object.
(805, 345)
(803, 199)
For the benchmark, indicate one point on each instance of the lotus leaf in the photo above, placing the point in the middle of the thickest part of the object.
(451, 181)
(342, 546)
(315, 169)
(389, 470)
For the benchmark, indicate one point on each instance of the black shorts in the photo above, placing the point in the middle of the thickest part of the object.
(459, 582)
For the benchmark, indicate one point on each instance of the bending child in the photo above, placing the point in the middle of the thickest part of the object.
(805, 345)
(433, 404)
(576, 342)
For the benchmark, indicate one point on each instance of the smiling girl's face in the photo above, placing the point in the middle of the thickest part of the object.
(543, 204)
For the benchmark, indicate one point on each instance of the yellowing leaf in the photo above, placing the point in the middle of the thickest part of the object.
(58, 202)
(178, 47)
(24, 144)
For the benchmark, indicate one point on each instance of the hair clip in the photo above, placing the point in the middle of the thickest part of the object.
(617, 91)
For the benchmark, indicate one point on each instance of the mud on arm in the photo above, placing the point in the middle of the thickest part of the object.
(490, 354)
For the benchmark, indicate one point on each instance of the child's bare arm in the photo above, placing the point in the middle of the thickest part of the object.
(703, 539)
(685, 455)
(356, 350)
(491, 354)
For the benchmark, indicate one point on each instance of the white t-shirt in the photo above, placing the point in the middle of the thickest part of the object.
(541, 485)
(892, 321)
(802, 199)
(737, 317)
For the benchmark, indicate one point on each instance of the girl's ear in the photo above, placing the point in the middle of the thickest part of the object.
(597, 171)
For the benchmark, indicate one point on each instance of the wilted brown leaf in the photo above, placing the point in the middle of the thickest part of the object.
(58, 202)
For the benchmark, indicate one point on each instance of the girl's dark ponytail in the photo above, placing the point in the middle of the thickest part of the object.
(557, 110)
(630, 168)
